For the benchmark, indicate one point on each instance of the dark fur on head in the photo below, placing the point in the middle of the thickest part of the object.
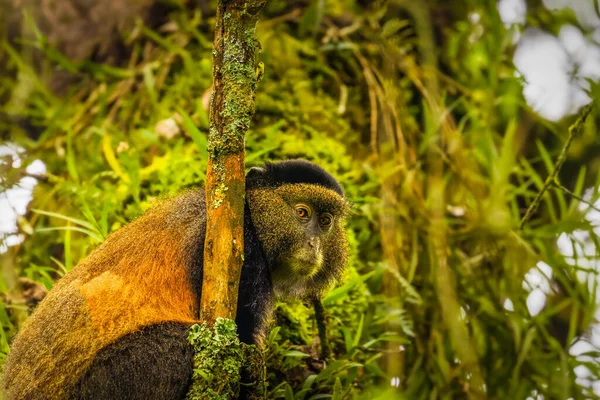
(280, 173)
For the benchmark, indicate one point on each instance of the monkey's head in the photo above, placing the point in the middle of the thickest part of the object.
(298, 212)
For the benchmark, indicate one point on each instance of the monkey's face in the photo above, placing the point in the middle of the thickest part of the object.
(300, 227)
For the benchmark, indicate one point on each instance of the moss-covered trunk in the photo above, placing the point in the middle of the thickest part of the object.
(232, 107)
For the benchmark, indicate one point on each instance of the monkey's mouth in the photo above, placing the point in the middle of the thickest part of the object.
(306, 263)
(297, 267)
(292, 275)
(304, 268)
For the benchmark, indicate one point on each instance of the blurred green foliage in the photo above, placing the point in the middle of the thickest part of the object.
(414, 106)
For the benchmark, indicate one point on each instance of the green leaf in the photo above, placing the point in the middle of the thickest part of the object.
(337, 389)
(343, 290)
(76, 221)
(296, 353)
(392, 26)
(359, 331)
(149, 82)
(71, 157)
(198, 137)
(309, 381)
(523, 352)
(91, 234)
(289, 393)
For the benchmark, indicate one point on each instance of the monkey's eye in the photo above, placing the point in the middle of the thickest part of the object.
(303, 211)
(326, 219)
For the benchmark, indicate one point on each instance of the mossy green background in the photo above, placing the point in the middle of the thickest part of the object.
(356, 87)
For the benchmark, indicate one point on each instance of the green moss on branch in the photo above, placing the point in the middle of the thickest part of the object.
(220, 360)
(235, 65)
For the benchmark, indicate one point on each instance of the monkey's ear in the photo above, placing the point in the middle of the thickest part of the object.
(255, 172)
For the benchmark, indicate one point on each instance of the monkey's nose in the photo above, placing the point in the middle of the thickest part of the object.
(313, 243)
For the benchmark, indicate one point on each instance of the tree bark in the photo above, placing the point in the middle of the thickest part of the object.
(231, 110)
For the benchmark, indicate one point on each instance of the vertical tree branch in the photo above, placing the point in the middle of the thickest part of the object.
(232, 107)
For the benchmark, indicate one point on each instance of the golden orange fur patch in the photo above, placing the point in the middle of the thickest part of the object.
(138, 277)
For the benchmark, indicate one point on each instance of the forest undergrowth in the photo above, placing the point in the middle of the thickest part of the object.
(417, 110)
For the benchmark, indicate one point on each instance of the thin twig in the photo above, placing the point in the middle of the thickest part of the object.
(575, 196)
(574, 131)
